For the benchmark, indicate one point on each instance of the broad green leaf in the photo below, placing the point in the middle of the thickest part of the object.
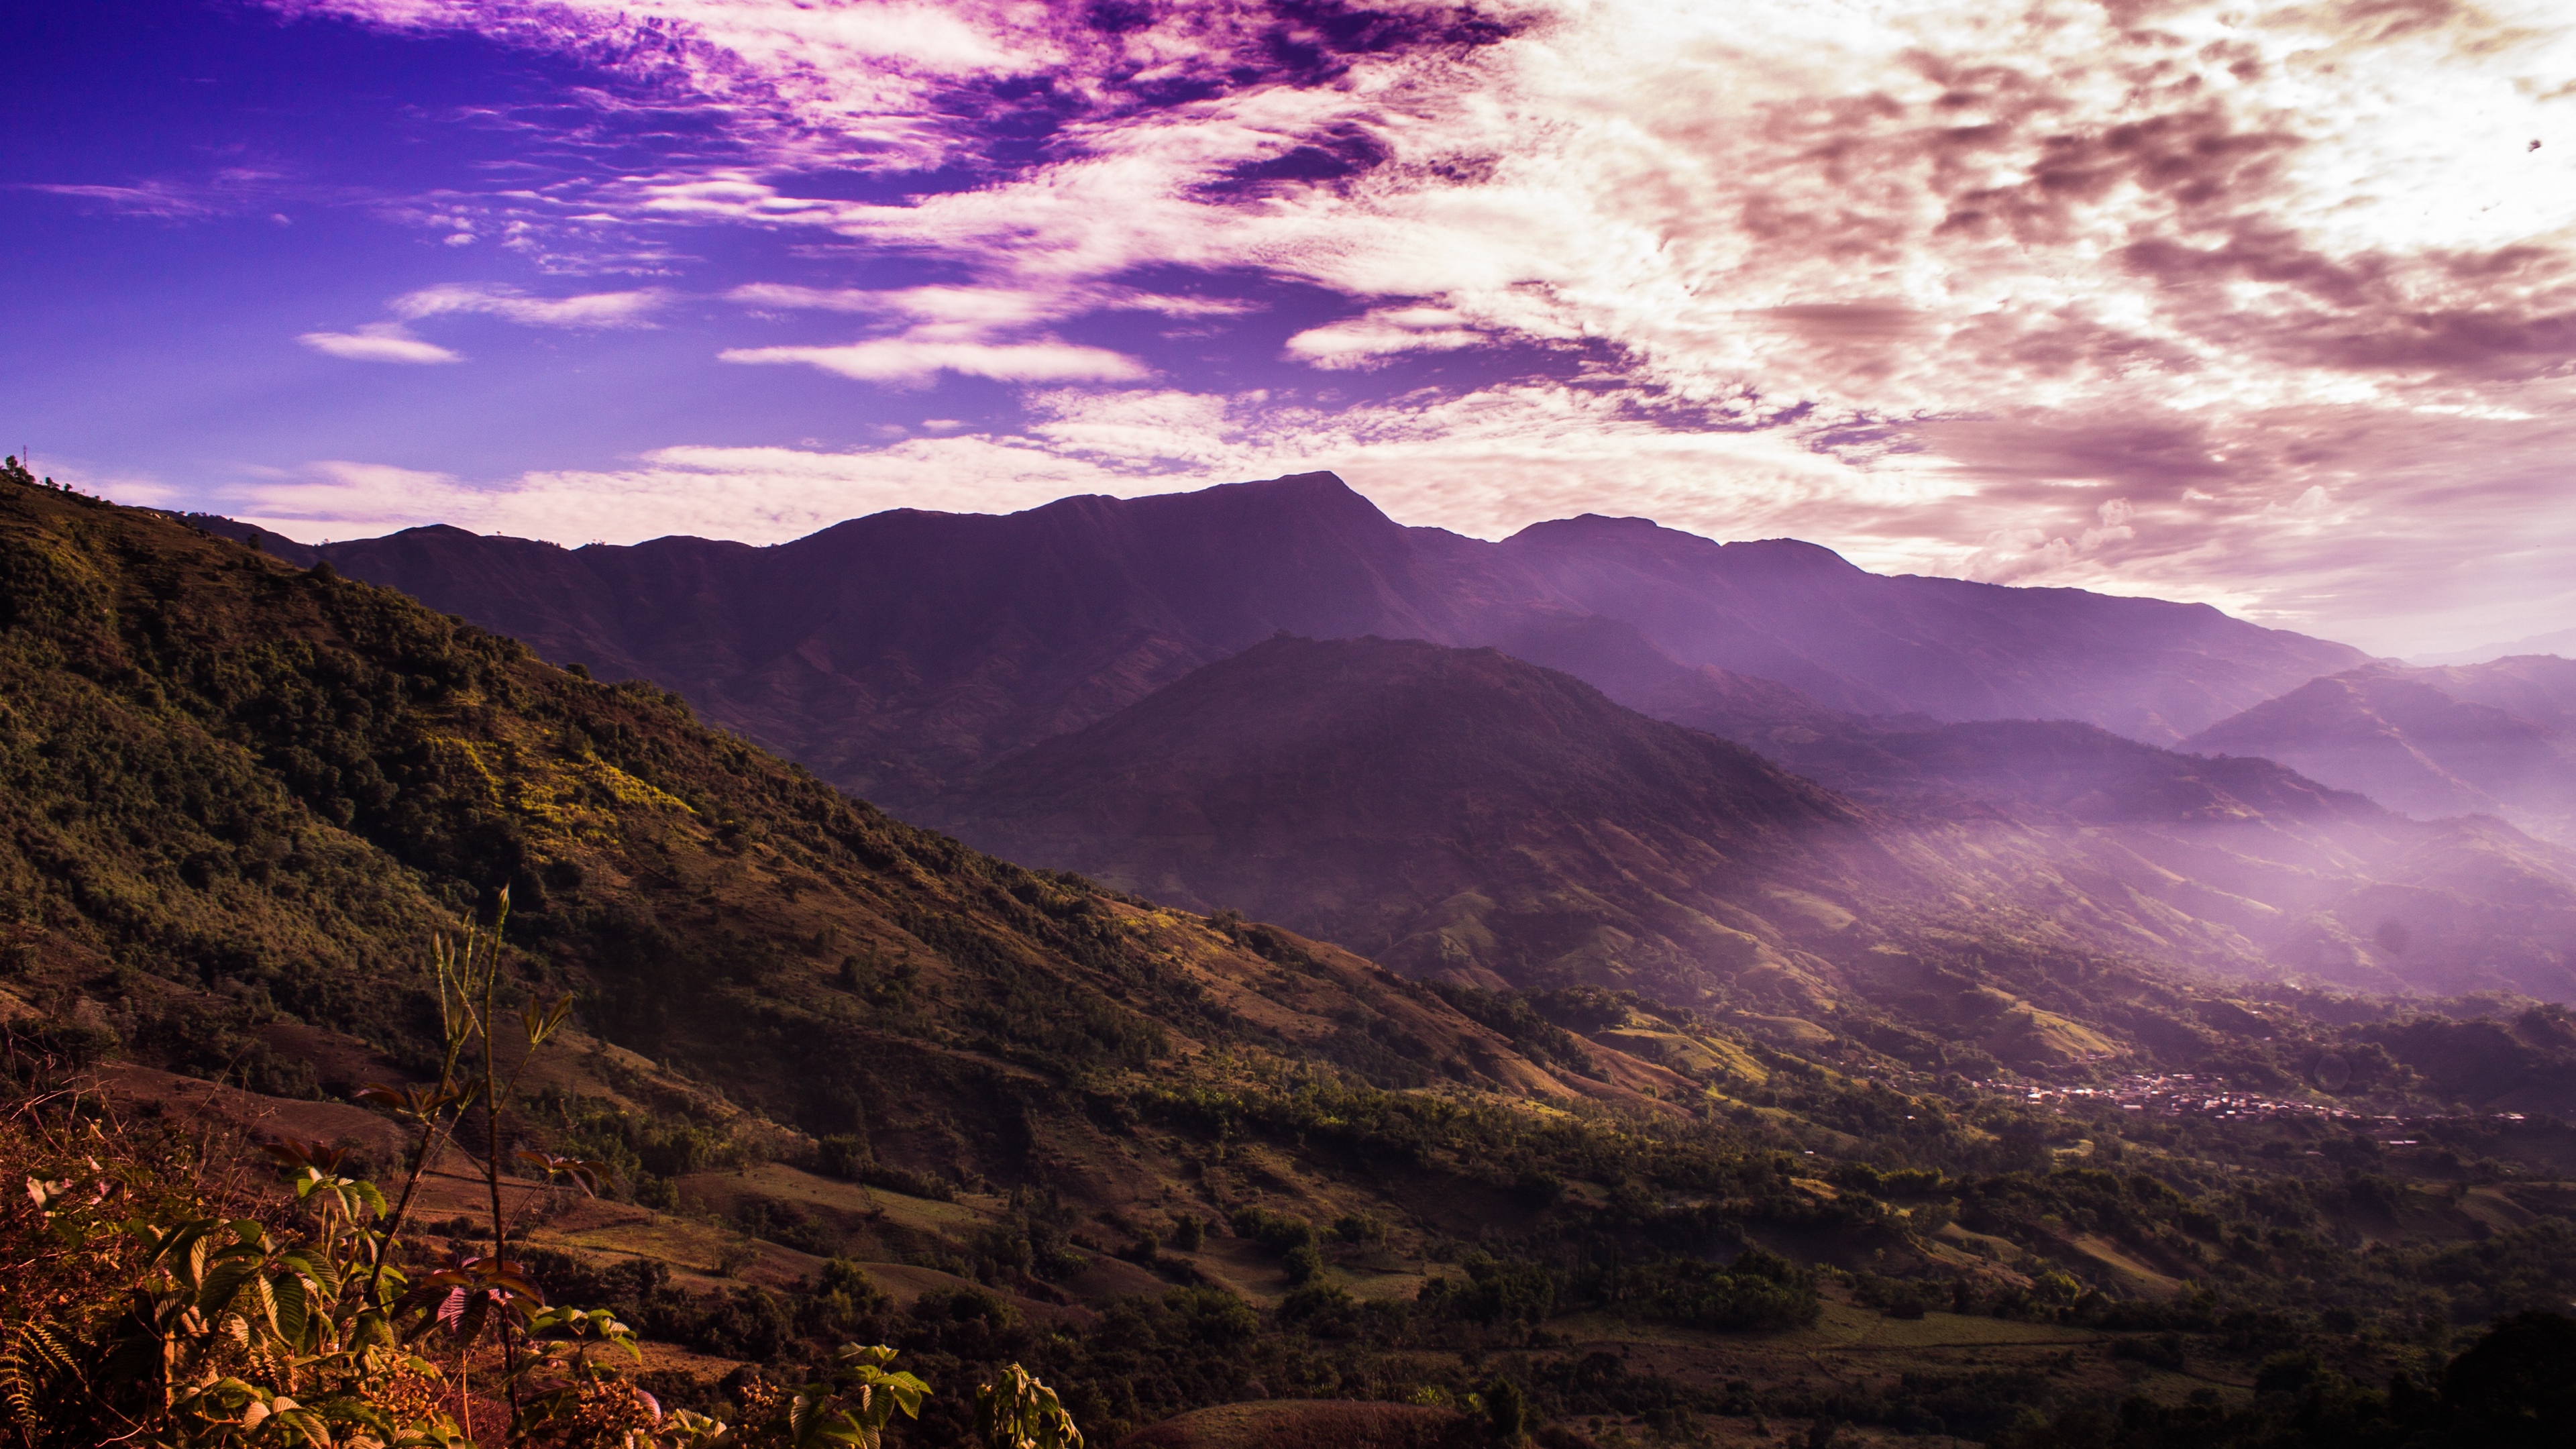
(315, 1265)
(224, 1280)
(288, 1307)
(262, 1295)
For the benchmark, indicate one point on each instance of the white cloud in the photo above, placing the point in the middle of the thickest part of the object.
(1381, 335)
(381, 342)
(914, 359)
(589, 311)
(978, 305)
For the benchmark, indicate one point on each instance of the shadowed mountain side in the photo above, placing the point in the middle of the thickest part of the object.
(2496, 738)
(1445, 810)
(897, 654)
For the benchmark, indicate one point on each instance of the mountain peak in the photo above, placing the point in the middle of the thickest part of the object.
(1324, 489)
(1772, 557)
(1783, 555)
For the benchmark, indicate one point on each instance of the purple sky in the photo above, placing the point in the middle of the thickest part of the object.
(2271, 305)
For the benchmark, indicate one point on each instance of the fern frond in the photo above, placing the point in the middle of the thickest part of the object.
(35, 1359)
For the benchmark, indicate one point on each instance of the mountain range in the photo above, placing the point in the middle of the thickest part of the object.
(1059, 685)
(1468, 814)
(897, 654)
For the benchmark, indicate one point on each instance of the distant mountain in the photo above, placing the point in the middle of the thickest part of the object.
(2497, 738)
(2560, 642)
(1465, 813)
(899, 653)
(1801, 616)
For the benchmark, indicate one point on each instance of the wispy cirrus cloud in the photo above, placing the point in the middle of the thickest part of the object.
(379, 342)
(161, 199)
(924, 353)
(228, 190)
(395, 342)
(633, 308)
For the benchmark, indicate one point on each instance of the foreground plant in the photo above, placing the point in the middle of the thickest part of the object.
(851, 1409)
(193, 1331)
(235, 1332)
(229, 1331)
(1016, 1411)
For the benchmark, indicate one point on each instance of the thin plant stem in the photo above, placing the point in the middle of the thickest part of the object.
(432, 1136)
(492, 1142)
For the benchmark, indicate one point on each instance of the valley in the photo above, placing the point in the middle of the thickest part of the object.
(1300, 1023)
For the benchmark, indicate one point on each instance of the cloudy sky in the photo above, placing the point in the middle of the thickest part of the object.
(2266, 304)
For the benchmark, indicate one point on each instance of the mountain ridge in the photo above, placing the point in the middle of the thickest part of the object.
(898, 653)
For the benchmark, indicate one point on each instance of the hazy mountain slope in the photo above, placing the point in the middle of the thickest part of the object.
(1442, 810)
(236, 799)
(1462, 812)
(902, 651)
(2557, 641)
(2325, 883)
(2328, 884)
(2497, 738)
(1801, 615)
(1465, 813)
